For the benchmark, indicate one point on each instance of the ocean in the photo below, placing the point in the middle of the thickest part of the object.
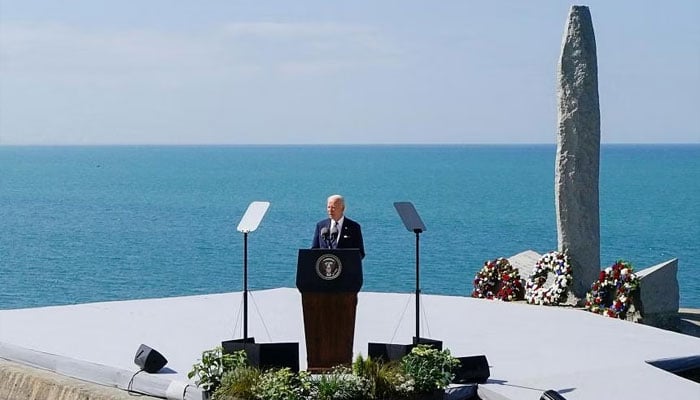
(98, 223)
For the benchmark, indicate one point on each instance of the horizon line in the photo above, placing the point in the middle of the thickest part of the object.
(410, 144)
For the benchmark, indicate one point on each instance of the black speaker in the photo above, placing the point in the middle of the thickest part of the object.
(387, 351)
(266, 355)
(392, 351)
(474, 369)
(551, 395)
(436, 344)
(149, 360)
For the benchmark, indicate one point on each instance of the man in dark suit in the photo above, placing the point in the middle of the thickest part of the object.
(338, 231)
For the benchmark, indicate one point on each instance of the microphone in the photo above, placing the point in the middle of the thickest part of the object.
(324, 233)
(334, 231)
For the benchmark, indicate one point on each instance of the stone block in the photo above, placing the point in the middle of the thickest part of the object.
(524, 262)
(659, 295)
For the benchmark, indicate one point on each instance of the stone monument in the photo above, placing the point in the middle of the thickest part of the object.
(578, 151)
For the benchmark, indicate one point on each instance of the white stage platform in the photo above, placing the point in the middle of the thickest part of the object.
(530, 349)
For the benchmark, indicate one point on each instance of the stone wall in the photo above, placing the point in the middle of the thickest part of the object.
(19, 382)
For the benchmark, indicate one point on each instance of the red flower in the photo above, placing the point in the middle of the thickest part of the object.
(601, 276)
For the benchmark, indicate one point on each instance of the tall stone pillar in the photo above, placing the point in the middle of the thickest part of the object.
(578, 151)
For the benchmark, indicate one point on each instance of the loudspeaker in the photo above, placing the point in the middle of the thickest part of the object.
(387, 351)
(149, 360)
(266, 355)
(436, 344)
(474, 369)
(391, 351)
(551, 395)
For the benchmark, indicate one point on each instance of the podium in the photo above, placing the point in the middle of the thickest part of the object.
(329, 280)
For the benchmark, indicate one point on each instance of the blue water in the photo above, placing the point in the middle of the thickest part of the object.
(84, 224)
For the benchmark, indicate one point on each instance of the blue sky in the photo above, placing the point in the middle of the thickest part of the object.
(335, 72)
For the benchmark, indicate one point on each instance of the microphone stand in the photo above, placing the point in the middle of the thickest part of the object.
(334, 236)
(326, 239)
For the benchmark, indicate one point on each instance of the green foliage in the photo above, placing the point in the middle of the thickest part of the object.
(384, 380)
(238, 384)
(213, 365)
(424, 370)
(428, 368)
(341, 384)
(283, 384)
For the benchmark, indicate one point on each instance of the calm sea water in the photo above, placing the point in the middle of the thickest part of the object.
(84, 224)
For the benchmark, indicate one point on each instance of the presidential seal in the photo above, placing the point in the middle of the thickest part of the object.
(328, 267)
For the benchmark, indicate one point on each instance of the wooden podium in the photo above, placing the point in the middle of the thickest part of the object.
(329, 280)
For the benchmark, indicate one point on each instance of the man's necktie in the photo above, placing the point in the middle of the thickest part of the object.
(334, 234)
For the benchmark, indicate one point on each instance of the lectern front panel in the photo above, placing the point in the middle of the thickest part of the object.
(329, 270)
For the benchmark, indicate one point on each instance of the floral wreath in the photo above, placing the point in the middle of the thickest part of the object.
(498, 279)
(611, 294)
(536, 292)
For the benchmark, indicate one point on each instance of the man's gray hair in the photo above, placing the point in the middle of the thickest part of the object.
(336, 197)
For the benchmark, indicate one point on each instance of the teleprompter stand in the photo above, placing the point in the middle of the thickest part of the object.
(472, 369)
(392, 351)
(261, 355)
(329, 280)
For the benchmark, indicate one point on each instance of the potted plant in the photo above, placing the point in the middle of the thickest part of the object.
(238, 384)
(385, 380)
(209, 371)
(429, 371)
(341, 384)
(283, 384)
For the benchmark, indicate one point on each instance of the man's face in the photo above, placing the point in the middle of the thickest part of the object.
(335, 208)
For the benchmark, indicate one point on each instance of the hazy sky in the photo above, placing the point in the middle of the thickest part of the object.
(361, 71)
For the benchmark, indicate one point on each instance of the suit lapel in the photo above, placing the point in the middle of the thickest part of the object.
(343, 231)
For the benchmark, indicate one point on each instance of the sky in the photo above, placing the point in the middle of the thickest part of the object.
(98, 72)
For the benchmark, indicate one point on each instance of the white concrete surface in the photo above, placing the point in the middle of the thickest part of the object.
(529, 348)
